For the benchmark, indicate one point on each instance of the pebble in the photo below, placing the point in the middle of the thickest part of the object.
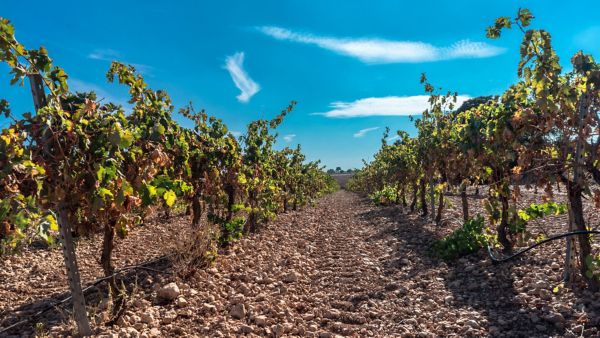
(260, 321)
(290, 277)
(246, 329)
(147, 318)
(168, 292)
(238, 311)
(181, 302)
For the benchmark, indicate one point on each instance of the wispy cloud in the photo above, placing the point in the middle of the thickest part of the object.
(393, 138)
(236, 133)
(363, 132)
(289, 138)
(107, 54)
(383, 106)
(376, 50)
(104, 54)
(235, 66)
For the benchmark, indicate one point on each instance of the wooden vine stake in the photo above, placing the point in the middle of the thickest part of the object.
(66, 238)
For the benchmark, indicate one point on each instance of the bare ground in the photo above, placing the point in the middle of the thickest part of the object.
(343, 267)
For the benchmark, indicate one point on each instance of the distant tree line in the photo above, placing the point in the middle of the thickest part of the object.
(339, 170)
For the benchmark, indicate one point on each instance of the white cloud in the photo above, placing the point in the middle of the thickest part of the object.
(235, 65)
(393, 138)
(289, 138)
(236, 133)
(362, 132)
(375, 50)
(107, 54)
(384, 106)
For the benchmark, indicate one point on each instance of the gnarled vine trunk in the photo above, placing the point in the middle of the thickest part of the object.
(252, 223)
(230, 189)
(66, 240)
(107, 248)
(502, 228)
(225, 232)
(465, 201)
(422, 196)
(432, 197)
(569, 266)
(196, 210)
(440, 209)
(413, 203)
(585, 248)
(108, 245)
(574, 191)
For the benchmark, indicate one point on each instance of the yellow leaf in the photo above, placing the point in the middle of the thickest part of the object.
(558, 287)
(169, 198)
(52, 221)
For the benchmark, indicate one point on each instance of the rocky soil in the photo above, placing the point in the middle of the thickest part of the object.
(342, 268)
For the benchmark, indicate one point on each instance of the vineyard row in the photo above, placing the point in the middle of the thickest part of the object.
(542, 131)
(85, 166)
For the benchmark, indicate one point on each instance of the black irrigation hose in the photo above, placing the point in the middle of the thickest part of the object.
(93, 284)
(497, 260)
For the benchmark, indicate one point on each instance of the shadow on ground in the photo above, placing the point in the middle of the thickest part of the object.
(474, 283)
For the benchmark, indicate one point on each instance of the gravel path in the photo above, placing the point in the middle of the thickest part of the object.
(346, 268)
(312, 274)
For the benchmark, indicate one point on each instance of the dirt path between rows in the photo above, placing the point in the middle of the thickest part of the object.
(346, 267)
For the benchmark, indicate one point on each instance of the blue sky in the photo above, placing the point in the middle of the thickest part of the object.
(353, 66)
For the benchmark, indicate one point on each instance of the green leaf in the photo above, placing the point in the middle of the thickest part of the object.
(103, 192)
(125, 139)
(151, 190)
(100, 173)
(589, 262)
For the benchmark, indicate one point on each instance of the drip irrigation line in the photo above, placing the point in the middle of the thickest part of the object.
(498, 260)
(87, 288)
